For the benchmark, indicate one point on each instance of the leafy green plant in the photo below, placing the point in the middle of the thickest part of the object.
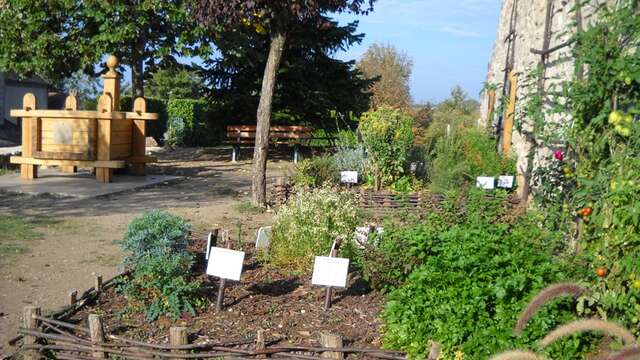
(348, 159)
(308, 224)
(316, 171)
(462, 156)
(474, 280)
(161, 285)
(388, 136)
(155, 233)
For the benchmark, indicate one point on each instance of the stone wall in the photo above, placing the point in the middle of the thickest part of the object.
(521, 28)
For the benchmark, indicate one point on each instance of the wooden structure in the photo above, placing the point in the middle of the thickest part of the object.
(507, 130)
(246, 134)
(104, 139)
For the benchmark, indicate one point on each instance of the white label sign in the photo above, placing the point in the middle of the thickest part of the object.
(505, 181)
(349, 177)
(262, 240)
(485, 182)
(330, 271)
(225, 263)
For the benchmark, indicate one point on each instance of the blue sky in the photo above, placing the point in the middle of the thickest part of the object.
(450, 42)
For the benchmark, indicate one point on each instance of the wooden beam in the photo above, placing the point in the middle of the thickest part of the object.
(113, 164)
(511, 110)
(64, 114)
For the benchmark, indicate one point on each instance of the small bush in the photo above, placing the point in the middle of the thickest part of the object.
(462, 156)
(156, 247)
(316, 171)
(160, 285)
(388, 136)
(155, 233)
(348, 159)
(307, 225)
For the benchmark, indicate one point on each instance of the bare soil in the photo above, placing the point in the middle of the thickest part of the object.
(79, 236)
(287, 307)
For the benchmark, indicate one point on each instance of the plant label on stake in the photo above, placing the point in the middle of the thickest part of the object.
(225, 264)
(349, 177)
(505, 181)
(208, 249)
(330, 271)
(262, 239)
(485, 182)
(326, 272)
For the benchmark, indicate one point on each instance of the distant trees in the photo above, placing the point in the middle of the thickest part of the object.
(175, 83)
(456, 111)
(392, 70)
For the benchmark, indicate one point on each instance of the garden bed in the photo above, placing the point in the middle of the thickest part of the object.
(287, 307)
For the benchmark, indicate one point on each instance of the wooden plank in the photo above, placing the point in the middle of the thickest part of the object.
(114, 164)
(272, 135)
(121, 137)
(77, 138)
(120, 151)
(511, 110)
(103, 146)
(141, 116)
(138, 138)
(252, 128)
(75, 125)
(121, 125)
(64, 114)
(65, 148)
(65, 155)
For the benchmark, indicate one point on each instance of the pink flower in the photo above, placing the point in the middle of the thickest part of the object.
(559, 155)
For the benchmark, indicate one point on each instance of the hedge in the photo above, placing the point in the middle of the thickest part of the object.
(202, 126)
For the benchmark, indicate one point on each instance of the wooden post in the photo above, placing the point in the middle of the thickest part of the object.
(138, 139)
(30, 323)
(73, 297)
(511, 110)
(223, 283)
(70, 104)
(105, 104)
(327, 293)
(331, 341)
(108, 101)
(260, 344)
(97, 334)
(27, 171)
(490, 108)
(97, 282)
(178, 336)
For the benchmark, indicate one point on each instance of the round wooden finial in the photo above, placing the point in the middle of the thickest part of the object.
(112, 62)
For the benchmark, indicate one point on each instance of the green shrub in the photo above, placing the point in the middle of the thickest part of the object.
(348, 159)
(388, 136)
(464, 155)
(155, 233)
(160, 285)
(307, 225)
(474, 280)
(198, 127)
(155, 128)
(316, 171)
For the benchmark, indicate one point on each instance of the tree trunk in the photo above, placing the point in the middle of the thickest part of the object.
(137, 70)
(259, 181)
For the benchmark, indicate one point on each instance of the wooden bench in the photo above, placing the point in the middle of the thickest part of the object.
(238, 135)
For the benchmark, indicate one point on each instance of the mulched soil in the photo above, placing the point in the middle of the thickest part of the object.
(287, 307)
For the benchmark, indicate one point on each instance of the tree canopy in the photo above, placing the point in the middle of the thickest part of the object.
(54, 38)
(391, 70)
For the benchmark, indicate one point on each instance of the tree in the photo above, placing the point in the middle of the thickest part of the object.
(176, 84)
(319, 88)
(56, 38)
(392, 70)
(456, 111)
(276, 18)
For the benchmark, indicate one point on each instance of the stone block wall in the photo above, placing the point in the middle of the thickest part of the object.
(521, 28)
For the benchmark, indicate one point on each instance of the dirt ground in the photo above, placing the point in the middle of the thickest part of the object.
(77, 236)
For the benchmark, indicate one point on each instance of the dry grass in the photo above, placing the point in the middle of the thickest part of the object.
(588, 325)
(551, 292)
